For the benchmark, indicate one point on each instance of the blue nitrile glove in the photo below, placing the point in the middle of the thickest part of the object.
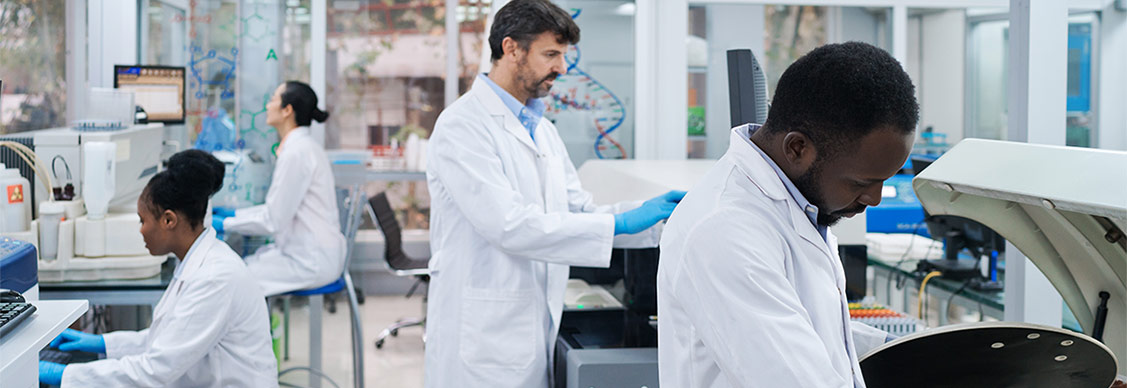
(51, 373)
(650, 213)
(72, 339)
(223, 211)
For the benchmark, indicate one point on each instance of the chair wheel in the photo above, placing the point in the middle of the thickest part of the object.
(379, 344)
(333, 308)
(395, 332)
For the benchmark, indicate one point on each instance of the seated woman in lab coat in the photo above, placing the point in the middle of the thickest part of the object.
(210, 328)
(301, 205)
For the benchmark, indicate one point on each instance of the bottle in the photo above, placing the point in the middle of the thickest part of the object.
(15, 215)
(98, 177)
(50, 215)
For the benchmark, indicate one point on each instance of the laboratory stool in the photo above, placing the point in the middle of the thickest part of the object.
(316, 306)
(351, 213)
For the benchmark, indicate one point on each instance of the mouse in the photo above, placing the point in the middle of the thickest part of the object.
(9, 296)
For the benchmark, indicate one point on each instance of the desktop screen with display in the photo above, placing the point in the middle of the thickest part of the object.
(159, 90)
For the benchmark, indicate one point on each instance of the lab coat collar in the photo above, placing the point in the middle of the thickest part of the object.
(196, 254)
(298, 132)
(753, 165)
(496, 108)
(760, 172)
(808, 208)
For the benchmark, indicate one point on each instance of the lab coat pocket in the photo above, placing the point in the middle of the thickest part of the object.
(498, 329)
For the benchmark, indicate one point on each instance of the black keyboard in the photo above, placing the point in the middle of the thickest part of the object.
(11, 314)
(55, 356)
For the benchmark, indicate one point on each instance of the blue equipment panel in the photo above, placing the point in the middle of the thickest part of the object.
(19, 269)
(1079, 67)
(899, 210)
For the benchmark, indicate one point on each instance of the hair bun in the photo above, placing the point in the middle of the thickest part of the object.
(319, 115)
(197, 170)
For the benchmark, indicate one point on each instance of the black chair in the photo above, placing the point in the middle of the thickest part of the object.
(398, 263)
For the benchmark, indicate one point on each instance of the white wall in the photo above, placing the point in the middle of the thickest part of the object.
(942, 57)
(1112, 109)
(606, 47)
(912, 61)
(858, 24)
(988, 82)
(729, 27)
(111, 39)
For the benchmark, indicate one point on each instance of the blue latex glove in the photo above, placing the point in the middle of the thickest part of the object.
(71, 340)
(217, 223)
(223, 211)
(650, 213)
(51, 373)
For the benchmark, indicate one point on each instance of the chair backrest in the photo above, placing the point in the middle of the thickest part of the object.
(393, 235)
(351, 200)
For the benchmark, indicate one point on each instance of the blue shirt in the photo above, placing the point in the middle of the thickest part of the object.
(528, 114)
(807, 207)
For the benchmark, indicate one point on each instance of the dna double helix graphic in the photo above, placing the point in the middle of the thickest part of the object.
(578, 91)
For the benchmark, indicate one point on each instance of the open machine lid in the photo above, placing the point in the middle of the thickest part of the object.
(1063, 207)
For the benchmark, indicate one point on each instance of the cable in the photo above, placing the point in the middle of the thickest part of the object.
(904, 257)
(33, 161)
(952, 297)
(923, 284)
(55, 173)
(26, 154)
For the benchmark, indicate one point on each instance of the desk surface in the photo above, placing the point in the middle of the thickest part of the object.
(51, 317)
(158, 282)
(395, 175)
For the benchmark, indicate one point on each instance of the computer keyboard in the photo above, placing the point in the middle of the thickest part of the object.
(55, 356)
(11, 314)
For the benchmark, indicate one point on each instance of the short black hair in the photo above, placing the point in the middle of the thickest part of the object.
(839, 93)
(191, 177)
(304, 102)
(524, 20)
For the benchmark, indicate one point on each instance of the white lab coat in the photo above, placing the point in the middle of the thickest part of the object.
(508, 216)
(210, 329)
(749, 294)
(301, 213)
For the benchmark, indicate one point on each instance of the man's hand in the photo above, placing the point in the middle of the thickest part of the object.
(650, 213)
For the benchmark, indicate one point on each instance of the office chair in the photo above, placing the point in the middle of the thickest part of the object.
(398, 262)
(350, 221)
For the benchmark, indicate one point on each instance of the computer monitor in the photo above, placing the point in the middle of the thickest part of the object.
(960, 234)
(747, 88)
(159, 90)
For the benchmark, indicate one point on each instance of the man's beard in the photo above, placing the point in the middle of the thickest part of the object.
(536, 87)
(807, 184)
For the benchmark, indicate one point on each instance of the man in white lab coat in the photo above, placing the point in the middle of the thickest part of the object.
(508, 215)
(750, 286)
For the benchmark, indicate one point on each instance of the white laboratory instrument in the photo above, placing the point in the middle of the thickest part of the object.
(1065, 208)
(99, 234)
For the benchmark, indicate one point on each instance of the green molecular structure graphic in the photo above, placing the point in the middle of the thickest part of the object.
(256, 27)
(252, 117)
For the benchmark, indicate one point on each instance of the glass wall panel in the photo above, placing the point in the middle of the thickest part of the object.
(32, 65)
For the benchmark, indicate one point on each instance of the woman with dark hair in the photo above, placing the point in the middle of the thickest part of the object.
(301, 205)
(210, 328)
